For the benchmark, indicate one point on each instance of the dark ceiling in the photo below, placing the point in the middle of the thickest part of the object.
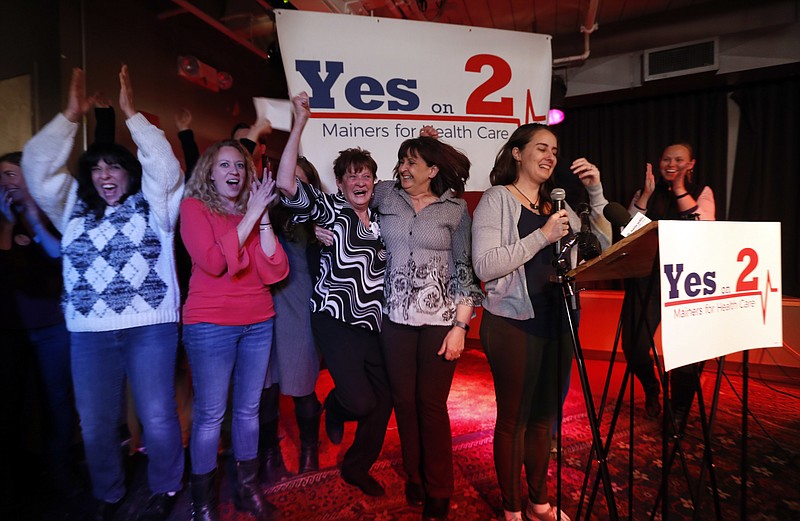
(250, 22)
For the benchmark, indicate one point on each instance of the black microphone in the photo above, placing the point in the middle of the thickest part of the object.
(564, 249)
(588, 244)
(557, 195)
(617, 215)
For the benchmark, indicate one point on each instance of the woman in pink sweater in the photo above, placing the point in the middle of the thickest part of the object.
(228, 316)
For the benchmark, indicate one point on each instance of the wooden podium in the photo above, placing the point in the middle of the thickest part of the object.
(632, 257)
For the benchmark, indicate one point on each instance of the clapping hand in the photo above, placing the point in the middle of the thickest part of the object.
(262, 193)
(78, 103)
(649, 181)
(126, 92)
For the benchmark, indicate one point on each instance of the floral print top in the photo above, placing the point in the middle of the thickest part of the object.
(429, 268)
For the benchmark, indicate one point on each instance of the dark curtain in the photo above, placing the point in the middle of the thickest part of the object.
(767, 169)
(620, 138)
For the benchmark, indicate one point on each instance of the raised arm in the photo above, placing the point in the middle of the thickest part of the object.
(589, 175)
(183, 121)
(45, 155)
(162, 182)
(286, 180)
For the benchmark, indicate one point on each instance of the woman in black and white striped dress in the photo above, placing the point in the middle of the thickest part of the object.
(347, 300)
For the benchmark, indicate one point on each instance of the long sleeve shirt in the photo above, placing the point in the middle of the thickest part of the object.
(350, 284)
(119, 267)
(229, 284)
(499, 254)
(429, 268)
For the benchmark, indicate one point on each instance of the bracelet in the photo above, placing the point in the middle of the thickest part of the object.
(639, 207)
(684, 194)
(462, 325)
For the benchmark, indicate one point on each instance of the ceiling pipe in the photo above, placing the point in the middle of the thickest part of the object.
(587, 29)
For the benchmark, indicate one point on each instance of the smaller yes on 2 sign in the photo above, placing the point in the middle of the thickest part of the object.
(720, 288)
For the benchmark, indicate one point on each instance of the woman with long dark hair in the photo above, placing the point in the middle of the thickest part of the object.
(430, 291)
(523, 330)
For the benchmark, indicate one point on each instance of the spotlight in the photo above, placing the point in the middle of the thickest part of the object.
(188, 65)
(203, 74)
(555, 116)
(224, 80)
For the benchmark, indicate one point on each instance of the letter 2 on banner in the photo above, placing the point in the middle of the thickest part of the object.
(720, 289)
(374, 82)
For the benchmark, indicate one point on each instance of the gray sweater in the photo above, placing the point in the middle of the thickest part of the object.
(499, 255)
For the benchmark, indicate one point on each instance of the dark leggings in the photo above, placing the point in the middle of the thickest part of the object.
(525, 372)
(307, 406)
(354, 359)
(641, 314)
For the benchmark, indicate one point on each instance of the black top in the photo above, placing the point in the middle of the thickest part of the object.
(350, 284)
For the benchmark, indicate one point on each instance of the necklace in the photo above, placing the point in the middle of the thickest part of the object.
(534, 206)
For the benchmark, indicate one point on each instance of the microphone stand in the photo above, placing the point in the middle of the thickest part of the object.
(569, 300)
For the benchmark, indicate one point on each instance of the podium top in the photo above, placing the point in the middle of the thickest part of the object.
(632, 257)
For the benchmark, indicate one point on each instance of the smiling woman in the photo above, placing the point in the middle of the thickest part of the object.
(120, 287)
(346, 303)
(228, 316)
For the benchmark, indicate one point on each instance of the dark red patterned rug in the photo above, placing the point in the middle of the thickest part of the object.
(772, 485)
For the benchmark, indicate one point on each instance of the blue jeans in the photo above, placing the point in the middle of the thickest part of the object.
(101, 362)
(219, 355)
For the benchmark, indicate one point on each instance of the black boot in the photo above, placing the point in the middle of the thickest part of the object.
(309, 442)
(204, 497)
(248, 496)
(272, 467)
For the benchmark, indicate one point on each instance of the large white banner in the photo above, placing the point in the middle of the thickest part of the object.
(720, 288)
(374, 82)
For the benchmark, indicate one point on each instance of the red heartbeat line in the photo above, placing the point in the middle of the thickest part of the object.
(767, 290)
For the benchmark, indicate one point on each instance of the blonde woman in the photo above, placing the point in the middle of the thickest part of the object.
(228, 316)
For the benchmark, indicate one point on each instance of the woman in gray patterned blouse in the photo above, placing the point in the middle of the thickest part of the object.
(430, 291)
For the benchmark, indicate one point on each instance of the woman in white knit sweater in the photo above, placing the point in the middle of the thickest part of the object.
(117, 220)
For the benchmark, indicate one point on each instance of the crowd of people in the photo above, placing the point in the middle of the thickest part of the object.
(380, 280)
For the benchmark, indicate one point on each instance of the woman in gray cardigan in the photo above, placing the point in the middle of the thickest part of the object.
(522, 330)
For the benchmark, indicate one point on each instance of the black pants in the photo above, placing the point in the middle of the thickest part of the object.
(354, 360)
(641, 315)
(525, 372)
(421, 382)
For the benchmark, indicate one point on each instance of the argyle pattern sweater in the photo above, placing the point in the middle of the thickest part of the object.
(119, 269)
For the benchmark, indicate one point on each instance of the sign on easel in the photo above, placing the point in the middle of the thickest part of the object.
(720, 289)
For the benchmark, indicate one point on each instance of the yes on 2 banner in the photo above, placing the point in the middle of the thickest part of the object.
(720, 288)
(374, 82)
